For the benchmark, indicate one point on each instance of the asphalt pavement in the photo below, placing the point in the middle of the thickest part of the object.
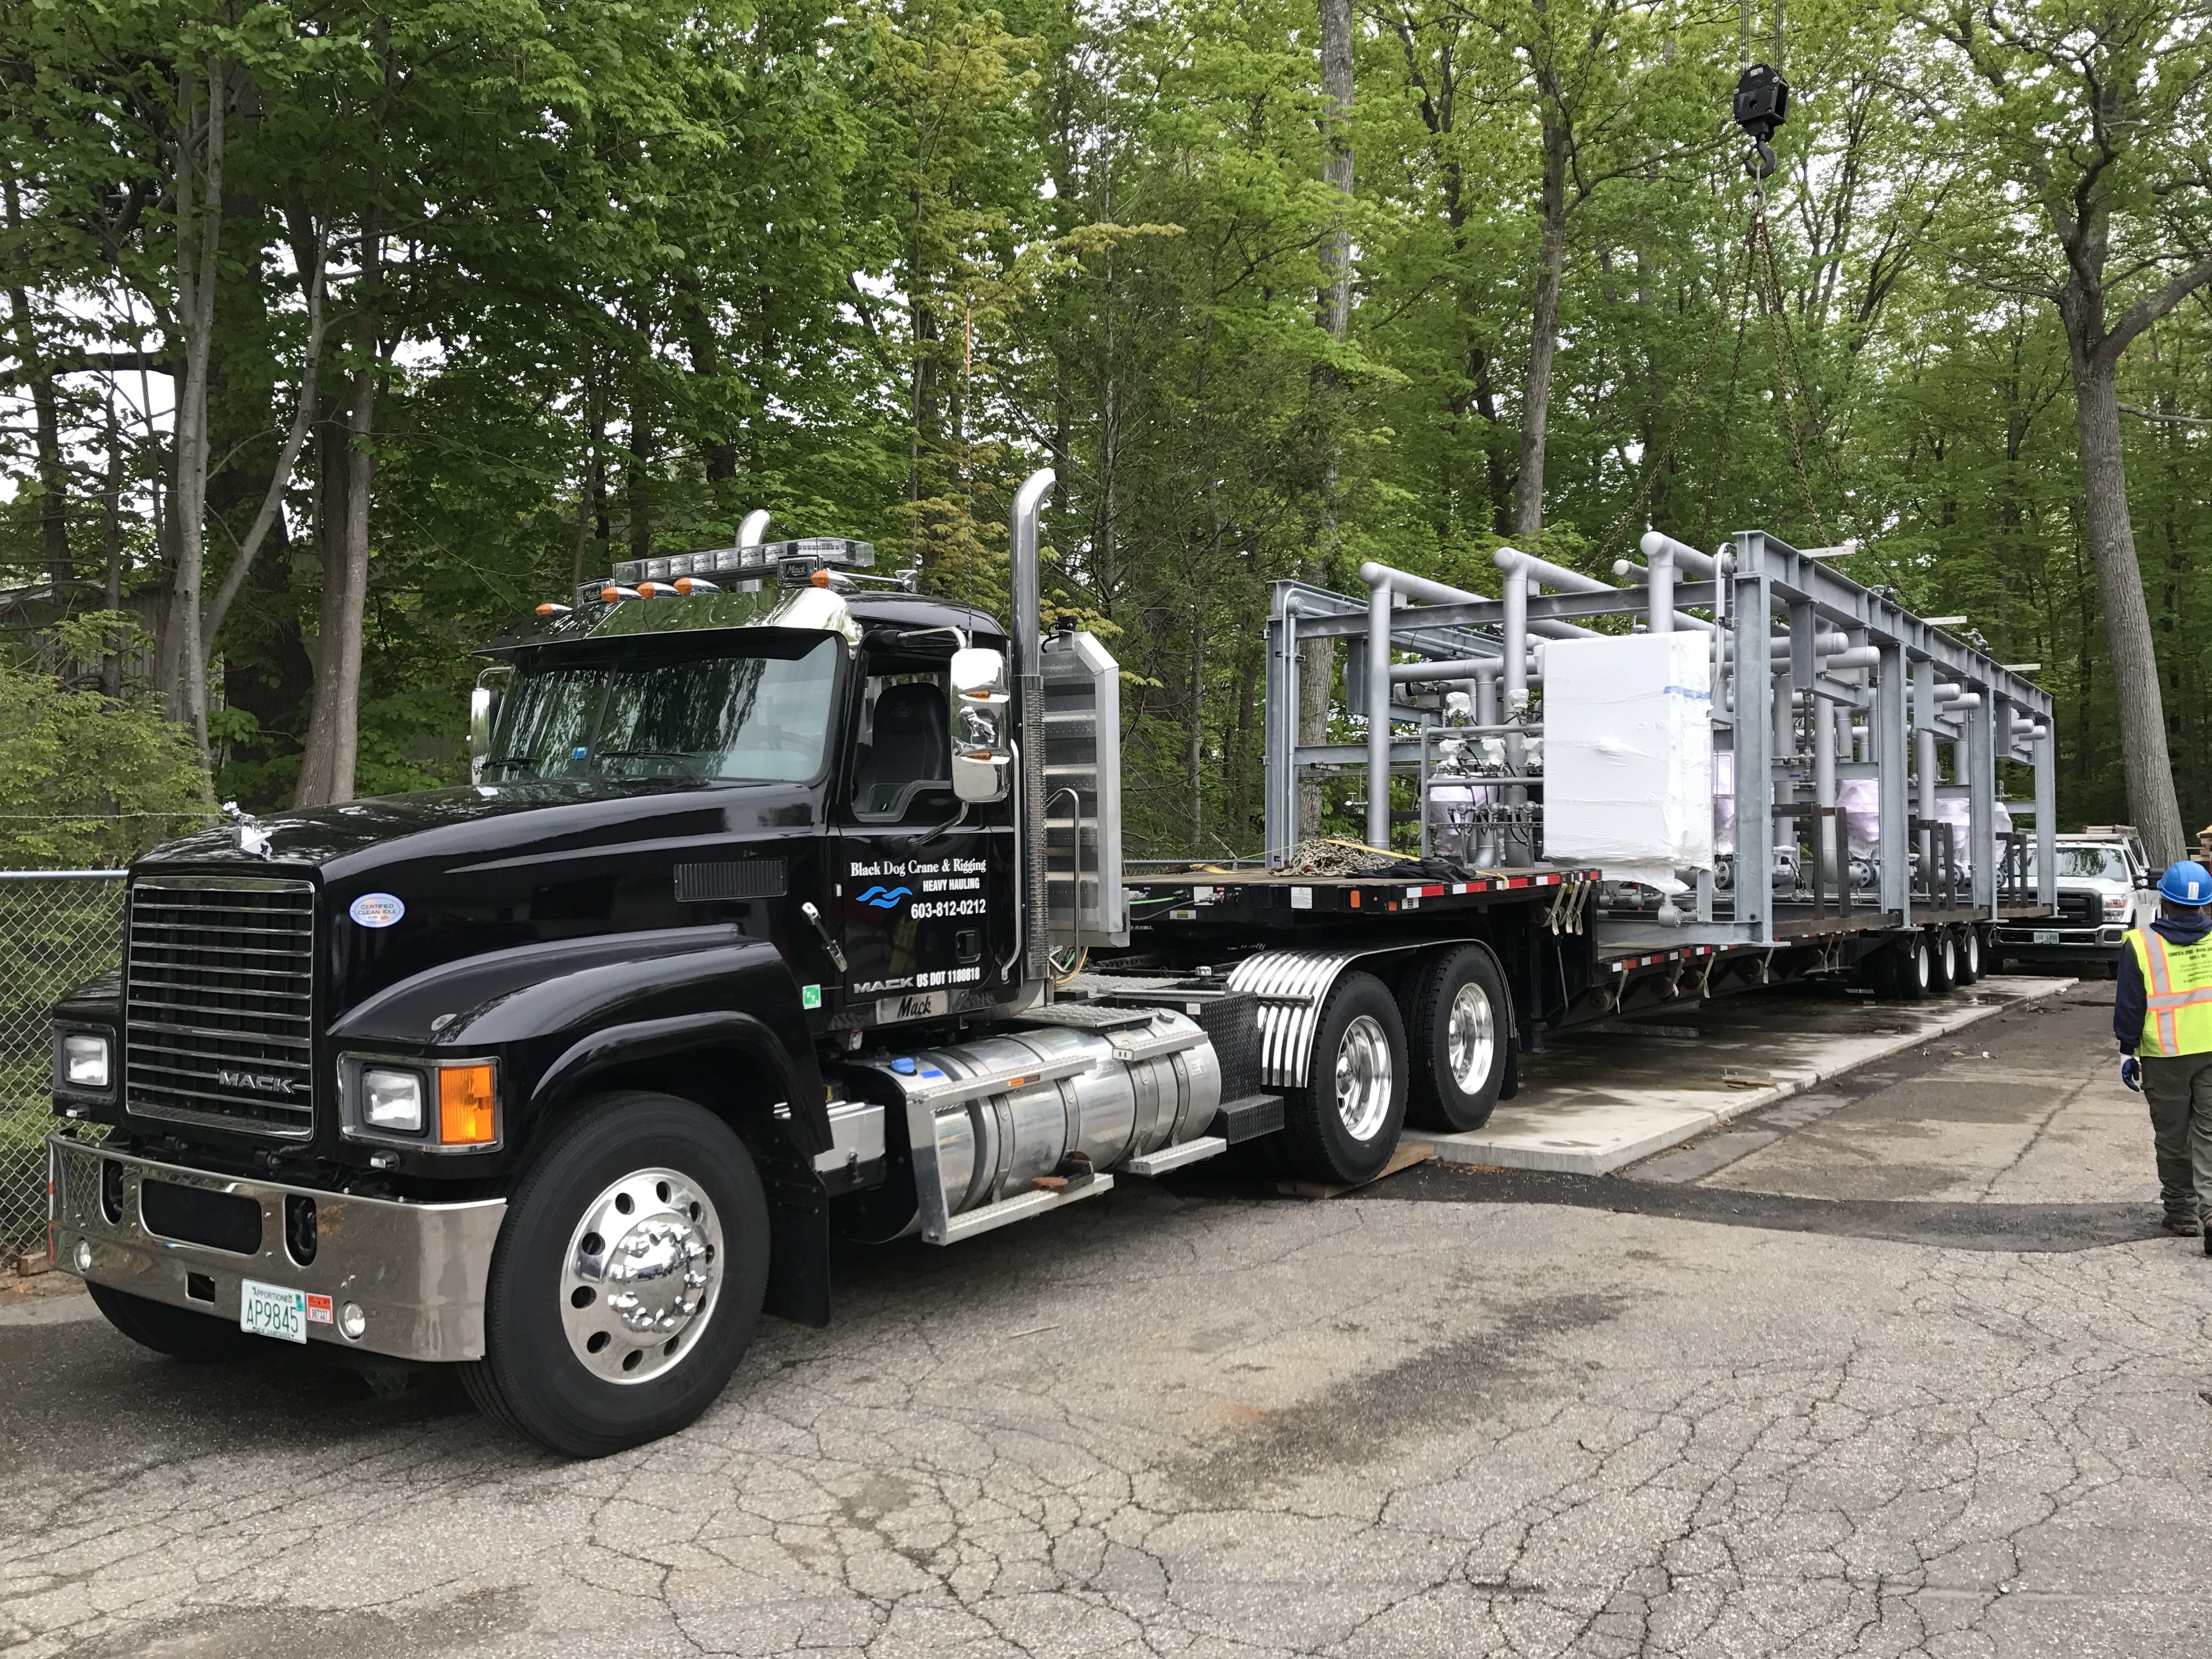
(1900, 1366)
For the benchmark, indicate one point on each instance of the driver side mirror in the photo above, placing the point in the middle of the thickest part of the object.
(483, 715)
(982, 755)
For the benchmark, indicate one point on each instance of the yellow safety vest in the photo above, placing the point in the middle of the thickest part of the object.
(2178, 986)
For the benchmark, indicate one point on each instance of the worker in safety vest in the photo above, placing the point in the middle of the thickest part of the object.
(2162, 1017)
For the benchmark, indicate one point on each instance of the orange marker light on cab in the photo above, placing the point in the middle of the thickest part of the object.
(466, 1114)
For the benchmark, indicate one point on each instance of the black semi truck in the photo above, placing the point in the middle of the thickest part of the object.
(785, 905)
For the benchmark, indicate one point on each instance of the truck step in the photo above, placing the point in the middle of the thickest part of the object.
(1174, 1158)
(1247, 1119)
(1020, 1207)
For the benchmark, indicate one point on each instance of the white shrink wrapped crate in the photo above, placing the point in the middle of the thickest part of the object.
(1628, 754)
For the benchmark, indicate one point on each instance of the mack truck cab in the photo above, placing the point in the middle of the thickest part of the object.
(739, 937)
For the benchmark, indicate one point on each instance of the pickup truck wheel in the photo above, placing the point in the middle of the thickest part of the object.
(1342, 1126)
(1968, 966)
(201, 1338)
(1943, 961)
(626, 1279)
(1458, 1022)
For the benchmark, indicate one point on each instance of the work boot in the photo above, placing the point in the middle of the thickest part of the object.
(2183, 1226)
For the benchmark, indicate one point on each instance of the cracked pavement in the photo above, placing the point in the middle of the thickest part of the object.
(1743, 1402)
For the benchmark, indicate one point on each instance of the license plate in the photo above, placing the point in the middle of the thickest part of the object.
(2046, 936)
(272, 1310)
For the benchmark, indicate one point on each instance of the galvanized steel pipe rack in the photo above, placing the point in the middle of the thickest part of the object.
(1877, 692)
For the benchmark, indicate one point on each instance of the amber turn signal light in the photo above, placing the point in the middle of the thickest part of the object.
(820, 578)
(466, 1112)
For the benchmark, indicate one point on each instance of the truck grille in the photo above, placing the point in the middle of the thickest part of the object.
(2077, 909)
(218, 1025)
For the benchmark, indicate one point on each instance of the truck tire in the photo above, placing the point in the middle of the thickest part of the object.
(1342, 1126)
(627, 1278)
(1902, 969)
(1968, 967)
(1943, 961)
(1458, 1025)
(201, 1338)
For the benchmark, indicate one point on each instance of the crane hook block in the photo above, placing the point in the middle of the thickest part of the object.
(1762, 102)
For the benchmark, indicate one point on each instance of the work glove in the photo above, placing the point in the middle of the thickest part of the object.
(2131, 1073)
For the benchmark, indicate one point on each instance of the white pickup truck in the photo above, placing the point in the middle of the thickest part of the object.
(2104, 888)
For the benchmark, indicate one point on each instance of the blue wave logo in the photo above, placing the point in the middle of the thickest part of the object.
(885, 899)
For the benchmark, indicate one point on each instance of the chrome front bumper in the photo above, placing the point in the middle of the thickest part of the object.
(417, 1271)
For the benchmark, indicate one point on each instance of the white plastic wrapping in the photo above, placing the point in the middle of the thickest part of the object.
(1628, 775)
(1859, 799)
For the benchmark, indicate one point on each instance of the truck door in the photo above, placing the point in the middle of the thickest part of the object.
(923, 892)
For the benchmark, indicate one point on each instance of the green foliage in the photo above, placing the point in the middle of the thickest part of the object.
(647, 267)
(89, 782)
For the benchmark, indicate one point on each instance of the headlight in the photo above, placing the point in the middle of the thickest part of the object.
(391, 1099)
(84, 1060)
(2116, 906)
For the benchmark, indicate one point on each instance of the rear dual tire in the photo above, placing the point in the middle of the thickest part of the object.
(1459, 1023)
(1342, 1126)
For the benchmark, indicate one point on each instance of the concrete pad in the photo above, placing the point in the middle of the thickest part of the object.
(1595, 1102)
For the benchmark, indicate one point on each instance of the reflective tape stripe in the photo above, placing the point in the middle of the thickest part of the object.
(2161, 972)
(2181, 999)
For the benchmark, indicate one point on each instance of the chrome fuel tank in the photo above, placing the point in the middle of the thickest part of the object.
(1055, 1100)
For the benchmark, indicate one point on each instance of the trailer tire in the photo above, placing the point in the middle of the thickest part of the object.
(682, 1190)
(197, 1339)
(1459, 1024)
(1967, 967)
(1342, 1128)
(1943, 961)
(1903, 970)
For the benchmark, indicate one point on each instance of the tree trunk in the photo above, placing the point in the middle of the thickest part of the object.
(53, 468)
(360, 470)
(111, 588)
(331, 476)
(1336, 88)
(1316, 658)
(2152, 803)
(345, 470)
(1543, 331)
(198, 186)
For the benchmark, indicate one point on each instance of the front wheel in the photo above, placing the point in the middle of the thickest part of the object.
(1458, 1024)
(627, 1278)
(1342, 1128)
(197, 1338)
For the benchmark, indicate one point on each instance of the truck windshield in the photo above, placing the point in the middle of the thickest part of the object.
(737, 719)
(2087, 863)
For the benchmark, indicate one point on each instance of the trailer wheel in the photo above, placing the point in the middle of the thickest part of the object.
(627, 1278)
(197, 1338)
(1967, 967)
(1342, 1126)
(1899, 971)
(1458, 1025)
(1943, 961)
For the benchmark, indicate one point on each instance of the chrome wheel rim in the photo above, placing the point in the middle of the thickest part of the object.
(1972, 950)
(1950, 955)
(641, 1275)
(1363, 1078)
(1471, 1038)
(1920, 963)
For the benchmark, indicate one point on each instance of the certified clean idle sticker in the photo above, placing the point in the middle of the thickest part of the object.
(376, 909)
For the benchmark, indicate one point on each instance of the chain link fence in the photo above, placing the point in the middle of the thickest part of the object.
(57, 929)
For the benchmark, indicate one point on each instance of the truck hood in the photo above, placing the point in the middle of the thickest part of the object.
(458, 826)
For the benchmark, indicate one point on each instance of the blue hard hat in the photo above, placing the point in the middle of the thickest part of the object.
(2186, 881)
